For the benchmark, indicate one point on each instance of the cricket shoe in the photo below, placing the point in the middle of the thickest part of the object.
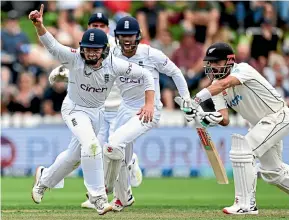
(117, 206)
(38, 189)
(101, 205)
(236, 210)
(87, 205)
(135, 172)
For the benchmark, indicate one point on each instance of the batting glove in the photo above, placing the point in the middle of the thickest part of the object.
(209, 119)
(189, 107)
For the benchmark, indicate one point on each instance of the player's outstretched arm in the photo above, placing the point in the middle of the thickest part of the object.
(37, 18)
(60, 52)
(216, 88)
(166, 66)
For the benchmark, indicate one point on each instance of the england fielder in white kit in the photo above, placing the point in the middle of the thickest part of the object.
(128, 35)
(132, 93)
(245, 90)
(92, 74)
(100, 21)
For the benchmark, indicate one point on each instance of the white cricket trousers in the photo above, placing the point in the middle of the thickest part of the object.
(84, 147)
(107, 127)
(128, 128)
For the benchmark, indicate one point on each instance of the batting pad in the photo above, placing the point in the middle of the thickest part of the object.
(242, 160)
(122, 184)
(111, 171)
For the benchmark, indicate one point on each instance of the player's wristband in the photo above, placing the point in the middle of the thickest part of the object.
(203, 95)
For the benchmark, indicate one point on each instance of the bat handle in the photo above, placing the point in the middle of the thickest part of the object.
(206, 121)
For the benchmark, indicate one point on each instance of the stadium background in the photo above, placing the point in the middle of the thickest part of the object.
(33, 132)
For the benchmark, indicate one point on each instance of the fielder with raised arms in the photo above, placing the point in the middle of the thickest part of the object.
(100, 21)
(245, 90)
(93, 71)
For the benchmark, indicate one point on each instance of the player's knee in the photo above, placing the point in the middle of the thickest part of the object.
(240, 151)
(114, 152)
(91, 149)
(275, 176)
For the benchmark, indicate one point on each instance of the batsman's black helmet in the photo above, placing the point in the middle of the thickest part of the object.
(219, 51)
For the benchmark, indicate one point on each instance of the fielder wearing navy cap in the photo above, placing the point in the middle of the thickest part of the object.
(98, 17)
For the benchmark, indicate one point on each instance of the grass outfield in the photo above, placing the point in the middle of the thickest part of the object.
(155, 199)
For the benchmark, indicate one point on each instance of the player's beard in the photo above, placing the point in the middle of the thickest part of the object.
(219, 72)
(96, 65)
(92, 61)
(128, 46)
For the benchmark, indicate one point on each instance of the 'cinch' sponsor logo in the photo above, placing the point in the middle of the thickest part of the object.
(89, 88)
(129, 80)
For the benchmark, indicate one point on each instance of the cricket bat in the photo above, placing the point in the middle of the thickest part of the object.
(211, 152)
(213, 156)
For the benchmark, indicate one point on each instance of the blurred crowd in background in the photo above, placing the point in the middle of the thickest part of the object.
(257, 30)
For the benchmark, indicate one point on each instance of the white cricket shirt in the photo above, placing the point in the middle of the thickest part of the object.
(254, 99)
(89, 87)
(132, 90)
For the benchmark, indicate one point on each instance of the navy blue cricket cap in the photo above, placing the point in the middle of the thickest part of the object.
(98, 17)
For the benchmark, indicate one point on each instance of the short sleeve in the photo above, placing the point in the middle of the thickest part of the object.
(243, 72)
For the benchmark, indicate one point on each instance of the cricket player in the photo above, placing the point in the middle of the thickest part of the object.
(93, 71)
(100, 21)
(245, 90)
(128, 36)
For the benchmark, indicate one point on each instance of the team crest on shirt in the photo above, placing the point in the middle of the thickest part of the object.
(106, 78)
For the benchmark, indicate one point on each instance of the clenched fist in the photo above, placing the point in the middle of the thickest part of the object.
(37, 16)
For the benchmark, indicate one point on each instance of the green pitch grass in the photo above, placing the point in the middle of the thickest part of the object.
(166, 198)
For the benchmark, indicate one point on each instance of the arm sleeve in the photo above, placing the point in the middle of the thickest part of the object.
(62, 53)
(219, 102)
(166, 66)
(134, 71)
(243, 72)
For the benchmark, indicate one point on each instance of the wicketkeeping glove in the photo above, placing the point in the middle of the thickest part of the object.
(59, 74)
